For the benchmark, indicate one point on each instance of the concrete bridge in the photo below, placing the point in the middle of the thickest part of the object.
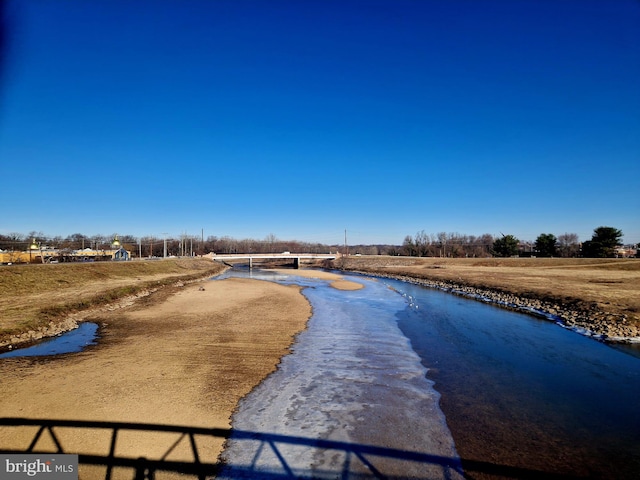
(296, 257)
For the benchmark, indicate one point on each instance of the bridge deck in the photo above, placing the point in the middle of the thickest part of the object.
(232, 256)
(296, 257)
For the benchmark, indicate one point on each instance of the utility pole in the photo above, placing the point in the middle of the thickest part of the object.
(165, 245)
(346, 249)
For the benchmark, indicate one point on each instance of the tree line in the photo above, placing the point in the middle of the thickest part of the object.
(155, 246)
(604, 243)
(445, 244)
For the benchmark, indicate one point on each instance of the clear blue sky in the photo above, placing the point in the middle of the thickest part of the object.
(305, 118)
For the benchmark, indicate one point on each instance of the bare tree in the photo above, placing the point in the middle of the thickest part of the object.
(568, 245)
(270, 240)
(12, 241)
(422, 243)
(226, 245)
(456, 243)
(442, 243)
(39, 237)
(409, 246)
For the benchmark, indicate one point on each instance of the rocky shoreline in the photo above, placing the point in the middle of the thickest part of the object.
(587, 320)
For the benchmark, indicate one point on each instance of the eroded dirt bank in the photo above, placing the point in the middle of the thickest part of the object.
(38, 301)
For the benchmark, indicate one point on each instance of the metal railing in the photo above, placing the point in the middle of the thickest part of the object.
(371, 458)
(146, 468)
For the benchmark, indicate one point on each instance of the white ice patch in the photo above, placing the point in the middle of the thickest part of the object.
(351, 401)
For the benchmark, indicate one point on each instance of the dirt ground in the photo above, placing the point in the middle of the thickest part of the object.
(183, 356)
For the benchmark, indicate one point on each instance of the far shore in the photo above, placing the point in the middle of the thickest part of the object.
(600, 297)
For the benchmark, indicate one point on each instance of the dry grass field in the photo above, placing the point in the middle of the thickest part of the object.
(609, 286)
(34, 295)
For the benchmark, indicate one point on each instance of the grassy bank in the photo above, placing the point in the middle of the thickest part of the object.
(605, 292)
(32, 296)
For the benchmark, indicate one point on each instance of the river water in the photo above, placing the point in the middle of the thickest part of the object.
(523, 396)
(401, 381)
(70, 342)
(351, 401)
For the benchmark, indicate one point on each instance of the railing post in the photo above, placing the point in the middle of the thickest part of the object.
(143, 470)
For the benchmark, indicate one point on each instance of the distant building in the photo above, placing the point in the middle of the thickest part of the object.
(627, 251)
(44, 254)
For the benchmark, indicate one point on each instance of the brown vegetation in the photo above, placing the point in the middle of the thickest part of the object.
(32, 296)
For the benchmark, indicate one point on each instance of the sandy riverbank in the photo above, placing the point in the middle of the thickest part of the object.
(183, 356)
(337, 281)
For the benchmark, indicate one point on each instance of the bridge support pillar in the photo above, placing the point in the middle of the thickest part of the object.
(296, 262)
(250, 262)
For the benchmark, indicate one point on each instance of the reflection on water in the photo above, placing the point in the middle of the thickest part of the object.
(70, 342)
(354, 380)
(525, 392)
(628, 348)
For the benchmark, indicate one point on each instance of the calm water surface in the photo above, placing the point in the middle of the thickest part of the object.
(70, 342)
(523, 397)
(524, 393)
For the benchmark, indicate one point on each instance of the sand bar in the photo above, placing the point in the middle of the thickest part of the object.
(185, 359)
(337, 281)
